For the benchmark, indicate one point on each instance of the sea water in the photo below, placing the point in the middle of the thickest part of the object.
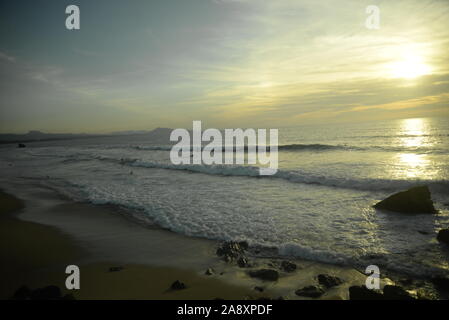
(318, 205)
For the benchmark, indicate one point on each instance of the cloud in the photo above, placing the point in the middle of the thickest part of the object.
(4, 56)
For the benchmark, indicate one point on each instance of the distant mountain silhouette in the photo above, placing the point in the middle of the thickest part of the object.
(35, 135)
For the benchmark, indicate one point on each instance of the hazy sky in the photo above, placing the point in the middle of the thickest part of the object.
(230, 63)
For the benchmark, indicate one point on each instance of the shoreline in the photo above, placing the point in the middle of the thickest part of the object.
(38, 254)
(97, 238)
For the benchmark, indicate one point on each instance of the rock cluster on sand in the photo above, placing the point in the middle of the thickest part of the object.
(310, 291)
(414, 200)
(177, 285)
(325, 282)
(234, 252)
(329, 281)
(265, 274)
(443, 236)
(390, 292)
(46, 293)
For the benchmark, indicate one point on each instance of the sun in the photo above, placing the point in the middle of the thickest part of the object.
(409, 67)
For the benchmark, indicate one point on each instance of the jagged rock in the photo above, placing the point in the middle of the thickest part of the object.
(260, 289)
(177, 285)
(209, 272)
(414, 200)
(288, 266)
(265, 274)
(21, 145)
(230, 251)
(396, 293)
(443, 236)
(233, 251)
(329, 281)
(310, 291)
(363, 293)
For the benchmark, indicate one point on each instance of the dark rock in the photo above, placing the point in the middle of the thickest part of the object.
(243, 245)
(242, 262)
(47, 293)
(423, 232)
(230, 251)
(209, 272)
(396, 293)
(329, 281)
(265, 274)
(363, 293)
(260, 289)
(310, 291)
(443, 236)
(288, 266)
(414, 200)
(116, 269)
(21, 145)
(441, 283)
(177, 285)
(23, 293)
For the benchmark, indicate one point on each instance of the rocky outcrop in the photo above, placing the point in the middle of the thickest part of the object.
(234, 252)
(288, 266)
(177, 285)
(443, 236)
(310, 291)
(265, 274)
(414, 200)
(329, 281)
(396, 293)
(390, 292)
(363, 293)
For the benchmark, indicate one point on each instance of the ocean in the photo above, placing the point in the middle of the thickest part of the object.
(318, 206)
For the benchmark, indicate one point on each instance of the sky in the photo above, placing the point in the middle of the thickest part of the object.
(140, 64)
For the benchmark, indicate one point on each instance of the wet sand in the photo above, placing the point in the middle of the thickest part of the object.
(43, 234)
(36, 255)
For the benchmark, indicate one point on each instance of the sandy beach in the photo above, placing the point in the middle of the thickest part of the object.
(43, 232)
